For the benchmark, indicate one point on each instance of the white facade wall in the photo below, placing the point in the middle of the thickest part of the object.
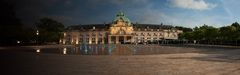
(101, 37)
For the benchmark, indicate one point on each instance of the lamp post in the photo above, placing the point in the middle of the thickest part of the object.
(37, 33)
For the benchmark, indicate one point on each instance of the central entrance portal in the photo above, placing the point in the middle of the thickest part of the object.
(121, 40)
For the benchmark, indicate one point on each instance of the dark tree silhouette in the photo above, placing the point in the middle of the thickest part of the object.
(49, 30)
(10, 25)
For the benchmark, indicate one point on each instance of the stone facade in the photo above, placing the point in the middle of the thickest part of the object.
(120, 31)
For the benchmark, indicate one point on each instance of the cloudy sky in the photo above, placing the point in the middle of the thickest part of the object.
(188, 13)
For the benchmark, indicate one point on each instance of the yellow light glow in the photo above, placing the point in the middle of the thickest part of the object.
(64, 41)
(76, 41)
(64, 50)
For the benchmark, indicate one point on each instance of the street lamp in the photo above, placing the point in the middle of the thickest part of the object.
(37, 33)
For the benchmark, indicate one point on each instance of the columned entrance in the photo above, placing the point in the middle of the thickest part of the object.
(120, 39)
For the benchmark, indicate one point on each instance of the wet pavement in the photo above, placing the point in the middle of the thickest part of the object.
(120, 60)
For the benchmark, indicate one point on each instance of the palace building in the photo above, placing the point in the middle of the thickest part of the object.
(119, 31)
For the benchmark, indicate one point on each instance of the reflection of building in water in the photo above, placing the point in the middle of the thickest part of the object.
(64, 50)
(121, 30)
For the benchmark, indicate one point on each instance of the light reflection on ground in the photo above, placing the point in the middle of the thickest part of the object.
(120, 60)
(104, 49)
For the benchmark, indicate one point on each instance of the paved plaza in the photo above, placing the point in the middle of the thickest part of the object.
(146, 60)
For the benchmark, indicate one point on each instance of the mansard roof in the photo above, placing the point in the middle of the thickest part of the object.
(152, 26)
(87, 27)
(119, 16)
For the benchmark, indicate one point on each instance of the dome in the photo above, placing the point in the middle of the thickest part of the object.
(120, 15)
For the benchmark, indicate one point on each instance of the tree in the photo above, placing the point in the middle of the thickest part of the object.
(198, 33)
(187, 32)
(184, 29)
(235, 25)
(49, 30)
(10, 26)
(205, 32)
(227, 32)
(186, 35)
(237, 31)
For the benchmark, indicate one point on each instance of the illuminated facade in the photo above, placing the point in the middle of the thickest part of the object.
(120, 31)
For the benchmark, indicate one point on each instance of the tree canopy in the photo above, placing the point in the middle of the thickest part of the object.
(49, 30)
(210, 33)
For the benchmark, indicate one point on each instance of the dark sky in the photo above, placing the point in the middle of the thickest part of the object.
(188, 13)
(71, 12)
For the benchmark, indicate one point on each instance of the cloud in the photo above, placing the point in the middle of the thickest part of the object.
(192, 4)
(118, 2)
(148, 15)
(121, 2)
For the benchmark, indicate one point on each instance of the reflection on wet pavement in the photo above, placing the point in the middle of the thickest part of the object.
(38, 50)
(133, 60)
(112, 49)
(103, 49)
(64, 50)
(80, 50)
